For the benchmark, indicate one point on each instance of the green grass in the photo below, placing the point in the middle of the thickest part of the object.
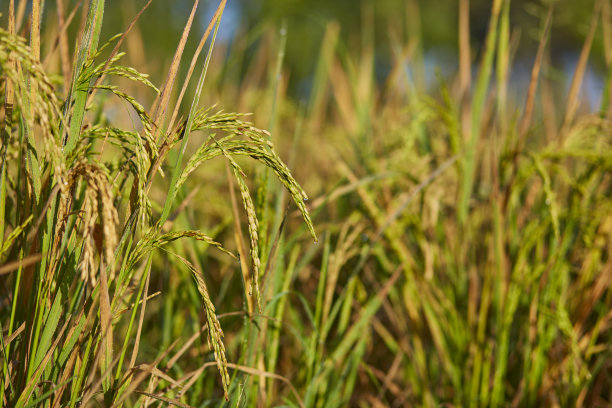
(461, 254)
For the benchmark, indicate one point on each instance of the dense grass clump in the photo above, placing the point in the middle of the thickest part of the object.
(81, 223)
(464, 253)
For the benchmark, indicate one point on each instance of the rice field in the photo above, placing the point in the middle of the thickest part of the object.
(203, 237)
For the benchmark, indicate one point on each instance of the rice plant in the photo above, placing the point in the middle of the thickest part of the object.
(81, 225)
(157, 249)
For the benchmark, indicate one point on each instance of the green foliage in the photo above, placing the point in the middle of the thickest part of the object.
(68, 308)
(465, 237)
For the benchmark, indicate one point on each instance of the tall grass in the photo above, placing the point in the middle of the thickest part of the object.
(464, 254)
(82, 224)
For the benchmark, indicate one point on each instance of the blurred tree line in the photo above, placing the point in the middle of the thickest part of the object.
(432, 22)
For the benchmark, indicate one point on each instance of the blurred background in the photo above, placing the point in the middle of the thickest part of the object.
(433, 23)
(430, 26)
